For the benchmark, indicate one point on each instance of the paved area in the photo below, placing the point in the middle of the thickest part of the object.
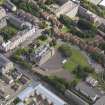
(54, 63)
(64, 74)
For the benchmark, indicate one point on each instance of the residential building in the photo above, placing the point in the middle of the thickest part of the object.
(5, 65)
(78, 101)
(3, 21)
(91, 81)
(100, 101)
(42, 54)
(19, 38)
(27, 16)
(16, 22)
(3, 95)
(102, 4)
(41, 96)
(90, 16)
(7, 78)
(102, 26)
(86, 90)
(45, 15)
(8, 4)
(70, 8)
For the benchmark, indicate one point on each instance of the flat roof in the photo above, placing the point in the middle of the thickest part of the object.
(49, 95)
(100, 101)
(40, 89)
(25, 93)
(84, 88)
(102, 3)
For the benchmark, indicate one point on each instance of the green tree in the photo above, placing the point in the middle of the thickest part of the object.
(97, 57)
(82, 72)
(65, 50)
(102, 46)
(43, 37)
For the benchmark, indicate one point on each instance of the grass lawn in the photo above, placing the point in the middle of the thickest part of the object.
(77, 58)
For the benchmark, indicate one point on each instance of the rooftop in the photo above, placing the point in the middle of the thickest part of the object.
(100, 101)
(102, 3)
(50, 96)
(40, 89)
(86, 90)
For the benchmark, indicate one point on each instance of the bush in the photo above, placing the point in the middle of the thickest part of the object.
(67, 21)
(59, 83)
(98, 58)
(82, 72)
(102, 46)
(43, 37)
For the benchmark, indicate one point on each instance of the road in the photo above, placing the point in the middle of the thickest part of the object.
(27, 73)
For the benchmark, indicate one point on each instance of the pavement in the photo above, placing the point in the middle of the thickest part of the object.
(54, 63)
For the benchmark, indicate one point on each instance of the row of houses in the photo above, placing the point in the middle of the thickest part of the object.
(27, 16)
(72, 8)
(27, 30)
(19, 38)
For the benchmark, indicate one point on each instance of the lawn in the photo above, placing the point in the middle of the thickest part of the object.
(77, 58)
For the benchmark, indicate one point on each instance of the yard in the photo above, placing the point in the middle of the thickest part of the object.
(8, 32)
(76, 58)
